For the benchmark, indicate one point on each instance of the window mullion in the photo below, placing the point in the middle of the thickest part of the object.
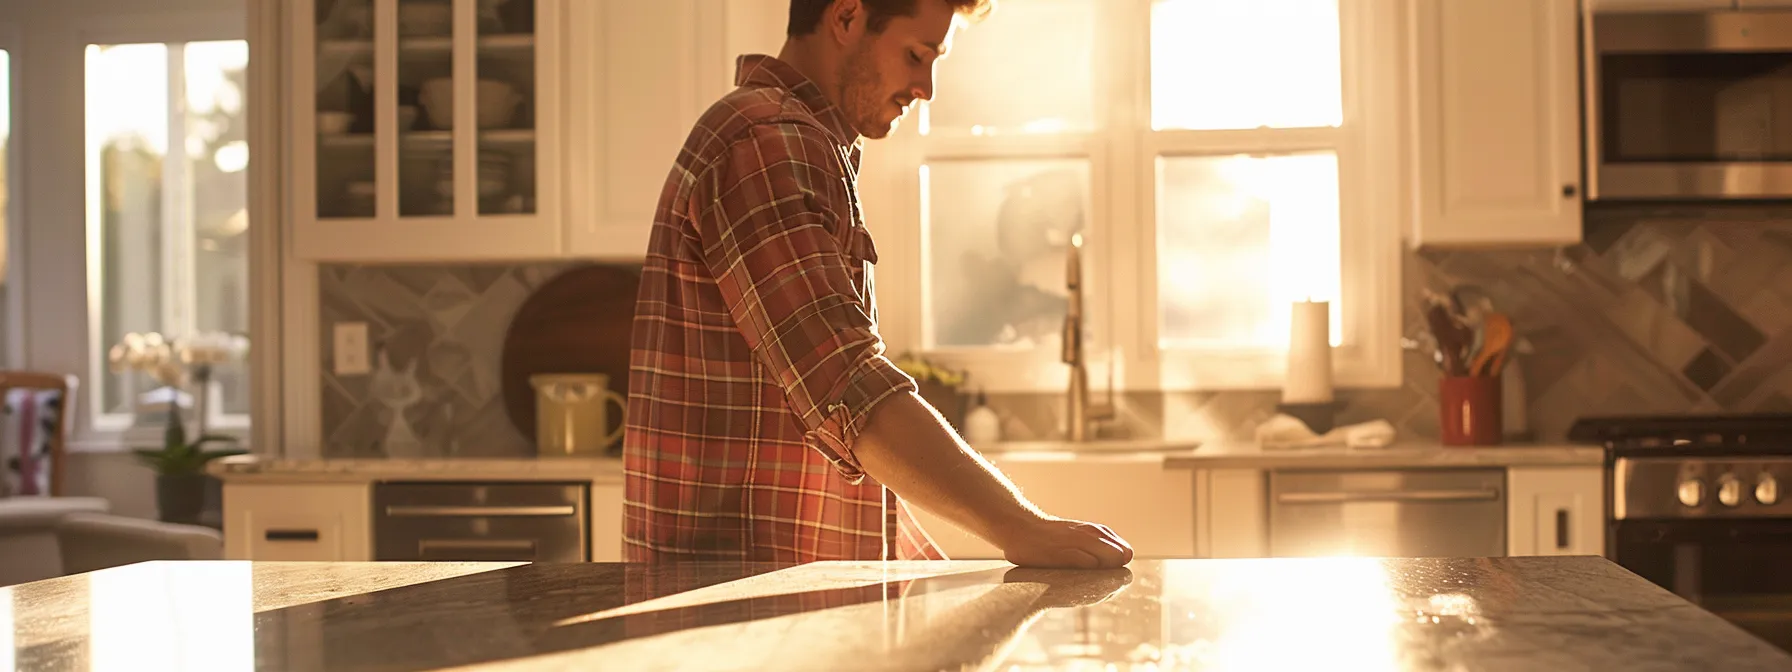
(177, 206)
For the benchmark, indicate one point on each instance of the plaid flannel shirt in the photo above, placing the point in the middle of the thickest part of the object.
(756, 359)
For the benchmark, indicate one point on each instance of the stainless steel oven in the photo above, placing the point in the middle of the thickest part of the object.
(528, 522)
(1715, 532)
(1690, 105)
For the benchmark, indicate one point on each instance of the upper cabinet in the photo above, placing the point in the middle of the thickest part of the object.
(1498, 135)
(426, 129)
(476, 130)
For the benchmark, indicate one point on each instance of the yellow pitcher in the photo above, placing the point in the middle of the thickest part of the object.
(571, 414)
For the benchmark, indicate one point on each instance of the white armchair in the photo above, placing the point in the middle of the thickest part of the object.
(28, 547)
(95, 541)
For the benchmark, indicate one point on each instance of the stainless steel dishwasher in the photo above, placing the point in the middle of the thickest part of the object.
(1388, 513)
(529, 522)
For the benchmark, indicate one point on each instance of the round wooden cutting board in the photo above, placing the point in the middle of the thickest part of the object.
(579, 322)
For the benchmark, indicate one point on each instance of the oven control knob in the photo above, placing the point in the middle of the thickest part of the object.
(1729, 490)
(1692, 492)
(1767, 490)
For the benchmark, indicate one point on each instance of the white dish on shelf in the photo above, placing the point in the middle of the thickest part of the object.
(334, 123)
(497, 102)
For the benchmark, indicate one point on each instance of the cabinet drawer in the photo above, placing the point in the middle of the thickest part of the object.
(296, 522)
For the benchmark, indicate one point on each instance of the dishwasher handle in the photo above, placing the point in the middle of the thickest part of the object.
(1477, 495)
(428, 511)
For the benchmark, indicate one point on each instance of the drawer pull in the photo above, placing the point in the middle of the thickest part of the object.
(1562, 538)
(423, 511)
(290, 535)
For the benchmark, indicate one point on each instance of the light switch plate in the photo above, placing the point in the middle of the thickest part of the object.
(351, 349)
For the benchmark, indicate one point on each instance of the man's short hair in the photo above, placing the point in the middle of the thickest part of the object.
(805, 15)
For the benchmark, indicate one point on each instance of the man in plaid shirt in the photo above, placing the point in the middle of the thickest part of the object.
(764, 420)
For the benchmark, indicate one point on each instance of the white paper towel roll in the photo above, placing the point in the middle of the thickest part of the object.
(1309, 378)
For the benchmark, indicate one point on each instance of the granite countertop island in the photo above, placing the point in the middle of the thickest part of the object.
(1171, 453)
(1565, 613)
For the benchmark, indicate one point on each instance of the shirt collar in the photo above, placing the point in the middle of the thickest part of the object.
(763, 70)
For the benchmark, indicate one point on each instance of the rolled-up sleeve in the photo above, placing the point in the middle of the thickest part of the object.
(769, 222)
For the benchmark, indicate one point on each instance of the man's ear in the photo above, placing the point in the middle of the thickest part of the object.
(845, 18)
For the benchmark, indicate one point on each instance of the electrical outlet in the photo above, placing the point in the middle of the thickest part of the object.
(351, 349)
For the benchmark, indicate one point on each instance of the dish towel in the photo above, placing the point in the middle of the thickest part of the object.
(1285, 432)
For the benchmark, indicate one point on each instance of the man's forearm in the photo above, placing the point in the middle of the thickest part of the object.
(910, 449)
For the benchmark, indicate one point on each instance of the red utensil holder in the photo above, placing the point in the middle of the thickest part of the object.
(1470, 407)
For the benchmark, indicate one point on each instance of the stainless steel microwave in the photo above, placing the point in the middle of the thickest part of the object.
(1690, 105)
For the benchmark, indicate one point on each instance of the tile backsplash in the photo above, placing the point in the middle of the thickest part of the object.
(441, 329)
(1659, 310)
(1682, 309)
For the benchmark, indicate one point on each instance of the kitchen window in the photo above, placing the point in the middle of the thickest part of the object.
(1221, 159)
(167, 219)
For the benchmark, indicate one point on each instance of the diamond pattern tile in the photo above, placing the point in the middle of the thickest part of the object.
(1662, 309)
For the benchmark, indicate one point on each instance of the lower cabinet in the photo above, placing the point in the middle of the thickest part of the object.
(297, 522)
(1555, 511)
(333, 522)
(1548, 511)
(1153, 508)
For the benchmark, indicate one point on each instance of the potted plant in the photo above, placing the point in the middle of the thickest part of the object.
(179, 464)
(940, 386)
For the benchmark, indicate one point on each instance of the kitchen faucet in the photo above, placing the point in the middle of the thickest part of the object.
(1080, 414)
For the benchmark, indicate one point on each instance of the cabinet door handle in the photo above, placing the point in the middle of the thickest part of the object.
(290, 535)
(1569, 191)
(1561, 529)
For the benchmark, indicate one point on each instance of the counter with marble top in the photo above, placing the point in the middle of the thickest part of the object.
(1178, 454)
(1535, 613)
(258, 469)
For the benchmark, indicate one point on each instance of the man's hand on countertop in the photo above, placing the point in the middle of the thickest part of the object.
(1065, 544)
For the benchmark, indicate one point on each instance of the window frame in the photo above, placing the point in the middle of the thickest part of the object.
(96, 430)
(177, 251)
(1121, 257)
(16, 270)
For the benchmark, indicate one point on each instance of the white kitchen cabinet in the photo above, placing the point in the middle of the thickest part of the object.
(426, 130)
(606, 93)
(1555, 511)
(1231, 513)
(1151, 507)
(636, 94)
(638, 87)
(334, 521)
(298, 522)
(1498, 127)
(606, 522)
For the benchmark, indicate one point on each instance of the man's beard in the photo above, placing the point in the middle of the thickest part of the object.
(860, 98)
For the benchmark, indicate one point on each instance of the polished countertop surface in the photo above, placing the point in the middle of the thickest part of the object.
(1296, 614)
(1403, 454)
(259, 469)
(1180, 454)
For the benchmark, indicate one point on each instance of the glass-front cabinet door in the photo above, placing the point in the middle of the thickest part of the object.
(426, 129)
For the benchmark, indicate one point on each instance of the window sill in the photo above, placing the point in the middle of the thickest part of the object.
(138, 437)
(1353, 367)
